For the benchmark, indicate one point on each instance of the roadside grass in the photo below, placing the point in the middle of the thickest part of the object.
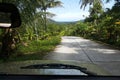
(35, 50)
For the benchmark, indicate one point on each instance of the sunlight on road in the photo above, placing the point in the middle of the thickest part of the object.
(105, 51)
(65, 50)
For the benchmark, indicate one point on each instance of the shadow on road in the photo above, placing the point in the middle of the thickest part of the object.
(83, 50)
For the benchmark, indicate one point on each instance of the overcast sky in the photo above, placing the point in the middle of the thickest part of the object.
(71, 11)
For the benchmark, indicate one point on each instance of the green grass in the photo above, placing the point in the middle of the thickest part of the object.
(35, 50)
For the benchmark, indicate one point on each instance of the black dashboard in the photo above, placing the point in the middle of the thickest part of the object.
(56, 77)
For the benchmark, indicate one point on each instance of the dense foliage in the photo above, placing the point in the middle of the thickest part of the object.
(39, 34)
(102, 25)
(36, 28)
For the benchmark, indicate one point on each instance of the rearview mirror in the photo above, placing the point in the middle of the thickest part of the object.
(9, 16)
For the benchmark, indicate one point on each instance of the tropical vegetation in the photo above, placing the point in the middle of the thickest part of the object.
(102, 25)
(35, 32)
(38, 34)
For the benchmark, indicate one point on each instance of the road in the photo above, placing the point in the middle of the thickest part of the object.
(84, 50)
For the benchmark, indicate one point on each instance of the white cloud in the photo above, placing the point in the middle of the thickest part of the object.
(69, 16)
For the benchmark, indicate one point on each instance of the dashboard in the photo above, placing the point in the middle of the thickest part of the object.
(56, 77)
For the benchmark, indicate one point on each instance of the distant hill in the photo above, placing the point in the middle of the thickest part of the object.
(52, 21)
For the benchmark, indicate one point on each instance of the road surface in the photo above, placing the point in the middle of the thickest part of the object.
(84, 50)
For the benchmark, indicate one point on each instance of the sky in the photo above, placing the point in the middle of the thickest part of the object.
(71, 11)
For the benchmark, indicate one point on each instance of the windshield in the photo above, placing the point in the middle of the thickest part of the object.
(82, 33)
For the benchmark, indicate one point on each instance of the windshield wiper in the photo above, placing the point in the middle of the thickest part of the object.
(59, 66)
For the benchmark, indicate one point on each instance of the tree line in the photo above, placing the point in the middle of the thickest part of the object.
(102, 25)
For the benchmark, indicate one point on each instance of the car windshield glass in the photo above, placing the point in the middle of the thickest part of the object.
(79, 33)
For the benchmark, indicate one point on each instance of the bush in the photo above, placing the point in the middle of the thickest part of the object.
(34, 50)
(39, 45)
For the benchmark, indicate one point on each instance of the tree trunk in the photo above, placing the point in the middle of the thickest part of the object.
(45, 21)
(8, 44)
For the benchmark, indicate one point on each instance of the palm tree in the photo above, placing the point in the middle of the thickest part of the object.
(45, 4)
(84, 3)
(95, 11)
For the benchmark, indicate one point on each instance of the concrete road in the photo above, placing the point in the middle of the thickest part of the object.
(84, 50)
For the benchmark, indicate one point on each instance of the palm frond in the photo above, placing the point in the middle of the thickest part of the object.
(84, 3)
